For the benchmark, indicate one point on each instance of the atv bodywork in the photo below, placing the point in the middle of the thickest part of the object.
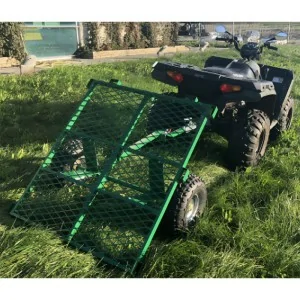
(267, 94)
(253, 99)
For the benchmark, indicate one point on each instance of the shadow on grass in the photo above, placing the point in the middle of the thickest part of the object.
(27, 122)
(15, 175)
(211, 148)
(18, 172)
(6, 219)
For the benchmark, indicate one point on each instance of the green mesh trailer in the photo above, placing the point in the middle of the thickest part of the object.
(118, 173)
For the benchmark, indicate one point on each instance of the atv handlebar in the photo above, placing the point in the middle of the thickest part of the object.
(226, 39)
(233, 39)
(273, 48)
(230, 39)
(267, 44)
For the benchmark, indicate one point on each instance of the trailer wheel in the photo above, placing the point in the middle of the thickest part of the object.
(285, 119)
(68, 156)
(248, 140)
(73, 147)
(75, 164)
(187, 204)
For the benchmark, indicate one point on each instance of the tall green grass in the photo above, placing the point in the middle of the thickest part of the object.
(250, 229)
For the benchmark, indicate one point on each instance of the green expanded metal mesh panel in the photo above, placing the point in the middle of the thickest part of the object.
(107, 181)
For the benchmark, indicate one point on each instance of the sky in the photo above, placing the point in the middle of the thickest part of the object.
(150, 10)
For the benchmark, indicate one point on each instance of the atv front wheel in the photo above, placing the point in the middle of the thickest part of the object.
(248, 140)
(285, 118)
(187, 204)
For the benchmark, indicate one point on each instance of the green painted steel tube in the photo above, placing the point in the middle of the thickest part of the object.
(180, 174)
(109, 166)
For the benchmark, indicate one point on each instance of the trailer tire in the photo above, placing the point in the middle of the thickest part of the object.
(248, 140)
(68, 158)
(285, 119)
(187, 204)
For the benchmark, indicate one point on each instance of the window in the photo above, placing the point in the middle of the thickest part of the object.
(51, 39)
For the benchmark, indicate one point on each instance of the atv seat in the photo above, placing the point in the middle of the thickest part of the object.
(235, 69)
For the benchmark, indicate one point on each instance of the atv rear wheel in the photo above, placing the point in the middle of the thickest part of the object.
(248, 141)
(285, 118)
(188, 203)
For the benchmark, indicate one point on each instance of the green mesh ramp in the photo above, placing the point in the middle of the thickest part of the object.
(107, 181)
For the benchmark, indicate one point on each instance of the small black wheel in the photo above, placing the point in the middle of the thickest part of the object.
(67, 155)
(73, 147)
(248, 140)
(187, 204)
(76, 164)
(285, 118)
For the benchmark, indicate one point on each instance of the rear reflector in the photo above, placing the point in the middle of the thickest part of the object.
(229, 88)
(176, 76)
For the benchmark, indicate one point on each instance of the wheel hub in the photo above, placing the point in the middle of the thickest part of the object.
(192, 208)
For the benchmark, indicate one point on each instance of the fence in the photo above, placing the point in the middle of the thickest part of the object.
(266, 29)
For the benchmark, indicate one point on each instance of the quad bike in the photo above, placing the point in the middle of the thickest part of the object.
(253, 99)
(118, 173)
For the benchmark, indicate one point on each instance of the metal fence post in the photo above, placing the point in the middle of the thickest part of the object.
(199, 24)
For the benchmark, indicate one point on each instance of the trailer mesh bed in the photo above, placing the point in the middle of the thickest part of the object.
(108, 179)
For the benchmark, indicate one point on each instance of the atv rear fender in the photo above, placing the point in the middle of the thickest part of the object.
(282, 79)
(206, 85)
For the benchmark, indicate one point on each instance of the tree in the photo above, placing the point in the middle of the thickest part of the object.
(11, 40)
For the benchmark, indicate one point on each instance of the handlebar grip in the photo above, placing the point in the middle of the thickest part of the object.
(220, 39)
(273, 48)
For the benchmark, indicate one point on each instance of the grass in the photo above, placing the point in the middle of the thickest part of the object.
(250, 229)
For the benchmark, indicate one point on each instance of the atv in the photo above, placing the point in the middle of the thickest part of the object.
(253, 99)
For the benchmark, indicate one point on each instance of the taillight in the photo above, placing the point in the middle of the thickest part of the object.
(176, 76)
(229, 88)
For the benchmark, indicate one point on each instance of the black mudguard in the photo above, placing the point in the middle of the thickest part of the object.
(206, 85)
(282, 79)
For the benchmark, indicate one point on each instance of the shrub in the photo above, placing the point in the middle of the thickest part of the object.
(11, 40)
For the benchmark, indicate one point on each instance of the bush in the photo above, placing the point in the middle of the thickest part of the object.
(148, 31)
(11, 40)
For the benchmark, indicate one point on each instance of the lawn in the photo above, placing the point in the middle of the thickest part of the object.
(250, 229)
